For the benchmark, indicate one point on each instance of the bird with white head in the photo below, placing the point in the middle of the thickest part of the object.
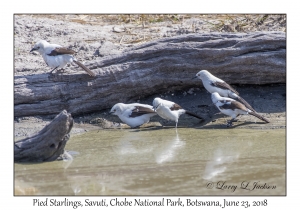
(57, 56)
(214, 84)
(233, 108)
(134, 114)
(170, 110)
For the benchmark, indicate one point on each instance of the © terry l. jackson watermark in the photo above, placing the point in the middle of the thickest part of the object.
(245, 185)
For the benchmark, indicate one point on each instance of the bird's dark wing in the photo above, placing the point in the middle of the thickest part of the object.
(224, 85)
(240, 99)
(175, 107)
(140, 110)
(225, 101)
(233, 105)
(61, 51)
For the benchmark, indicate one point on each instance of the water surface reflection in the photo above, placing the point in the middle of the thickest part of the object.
(161, 162)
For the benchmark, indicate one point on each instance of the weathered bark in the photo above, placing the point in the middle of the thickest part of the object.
(155, 67)
(48, 144)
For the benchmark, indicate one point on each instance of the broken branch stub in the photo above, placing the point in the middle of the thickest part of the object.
(48, 144)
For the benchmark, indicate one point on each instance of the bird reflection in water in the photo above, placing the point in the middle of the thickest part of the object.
(164, 147)
(168, 149)
(217, 165)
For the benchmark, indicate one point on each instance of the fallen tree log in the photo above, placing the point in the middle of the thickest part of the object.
(48, 144)
(155, 67)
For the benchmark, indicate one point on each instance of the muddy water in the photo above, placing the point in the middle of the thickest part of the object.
(163, 162)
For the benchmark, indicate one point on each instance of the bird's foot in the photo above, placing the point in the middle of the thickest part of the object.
(60, 71)
(229, 123)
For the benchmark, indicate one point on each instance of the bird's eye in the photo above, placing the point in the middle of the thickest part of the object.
(114, 110)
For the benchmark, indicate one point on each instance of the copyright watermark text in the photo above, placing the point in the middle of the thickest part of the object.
(245, 185)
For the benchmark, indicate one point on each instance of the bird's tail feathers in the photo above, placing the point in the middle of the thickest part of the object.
(194, 115)
(240, 99)
(85, 68)
(255, 114)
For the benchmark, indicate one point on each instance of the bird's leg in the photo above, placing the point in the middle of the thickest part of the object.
(62, 70)
(176, 125)
(229, 122)
(235, 120)
(53, 69)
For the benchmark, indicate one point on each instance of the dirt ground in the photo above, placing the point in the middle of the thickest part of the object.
(94, 36)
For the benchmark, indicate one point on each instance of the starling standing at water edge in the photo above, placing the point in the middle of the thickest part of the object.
(232, 108)
(170, 110)
(214, 84)
(134, 114)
